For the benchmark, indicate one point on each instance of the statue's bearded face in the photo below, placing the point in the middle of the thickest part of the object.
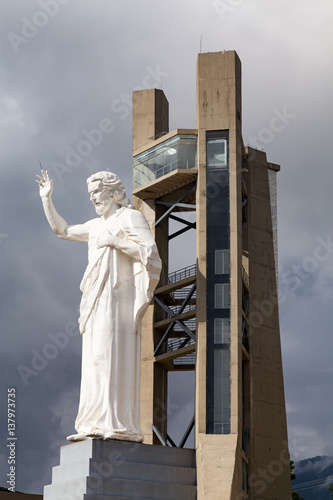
(100, 196)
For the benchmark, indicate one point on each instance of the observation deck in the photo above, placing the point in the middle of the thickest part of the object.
(169, 162)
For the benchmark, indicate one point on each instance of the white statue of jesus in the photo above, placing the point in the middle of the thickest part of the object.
(123, 271)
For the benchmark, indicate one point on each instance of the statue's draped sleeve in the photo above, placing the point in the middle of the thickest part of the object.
(108, 266)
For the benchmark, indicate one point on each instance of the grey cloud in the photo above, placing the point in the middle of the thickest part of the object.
(64, 81)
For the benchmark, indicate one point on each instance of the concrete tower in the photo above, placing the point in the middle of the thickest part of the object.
(218, 315)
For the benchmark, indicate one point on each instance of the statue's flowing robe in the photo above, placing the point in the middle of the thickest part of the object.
(117, 288)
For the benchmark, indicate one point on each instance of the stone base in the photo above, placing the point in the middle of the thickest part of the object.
(104, 470)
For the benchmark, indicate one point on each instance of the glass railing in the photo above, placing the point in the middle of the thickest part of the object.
(179, 152)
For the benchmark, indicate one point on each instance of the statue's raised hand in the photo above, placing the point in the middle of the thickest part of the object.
(45, 184)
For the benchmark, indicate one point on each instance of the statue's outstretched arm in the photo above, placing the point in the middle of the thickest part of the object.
(58, 224)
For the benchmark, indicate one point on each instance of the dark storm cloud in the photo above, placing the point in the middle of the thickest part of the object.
(58, 86)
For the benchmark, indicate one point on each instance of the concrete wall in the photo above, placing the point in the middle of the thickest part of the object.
(269, 457)
(219, 108)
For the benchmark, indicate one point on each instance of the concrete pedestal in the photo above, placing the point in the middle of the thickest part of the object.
(105, 470)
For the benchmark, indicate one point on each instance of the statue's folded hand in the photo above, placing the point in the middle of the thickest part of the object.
(106, 239)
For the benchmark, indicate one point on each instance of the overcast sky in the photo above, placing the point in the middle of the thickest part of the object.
(68, 66)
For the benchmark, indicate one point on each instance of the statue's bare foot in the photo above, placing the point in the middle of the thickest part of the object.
(96, 434)
(81, 436)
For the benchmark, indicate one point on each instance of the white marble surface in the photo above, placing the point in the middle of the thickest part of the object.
(122, 273)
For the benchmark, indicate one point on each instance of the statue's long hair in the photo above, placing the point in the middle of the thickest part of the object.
(112, 182)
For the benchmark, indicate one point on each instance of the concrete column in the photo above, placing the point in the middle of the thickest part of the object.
(150, 118)
(219, 108)
(269, 456)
